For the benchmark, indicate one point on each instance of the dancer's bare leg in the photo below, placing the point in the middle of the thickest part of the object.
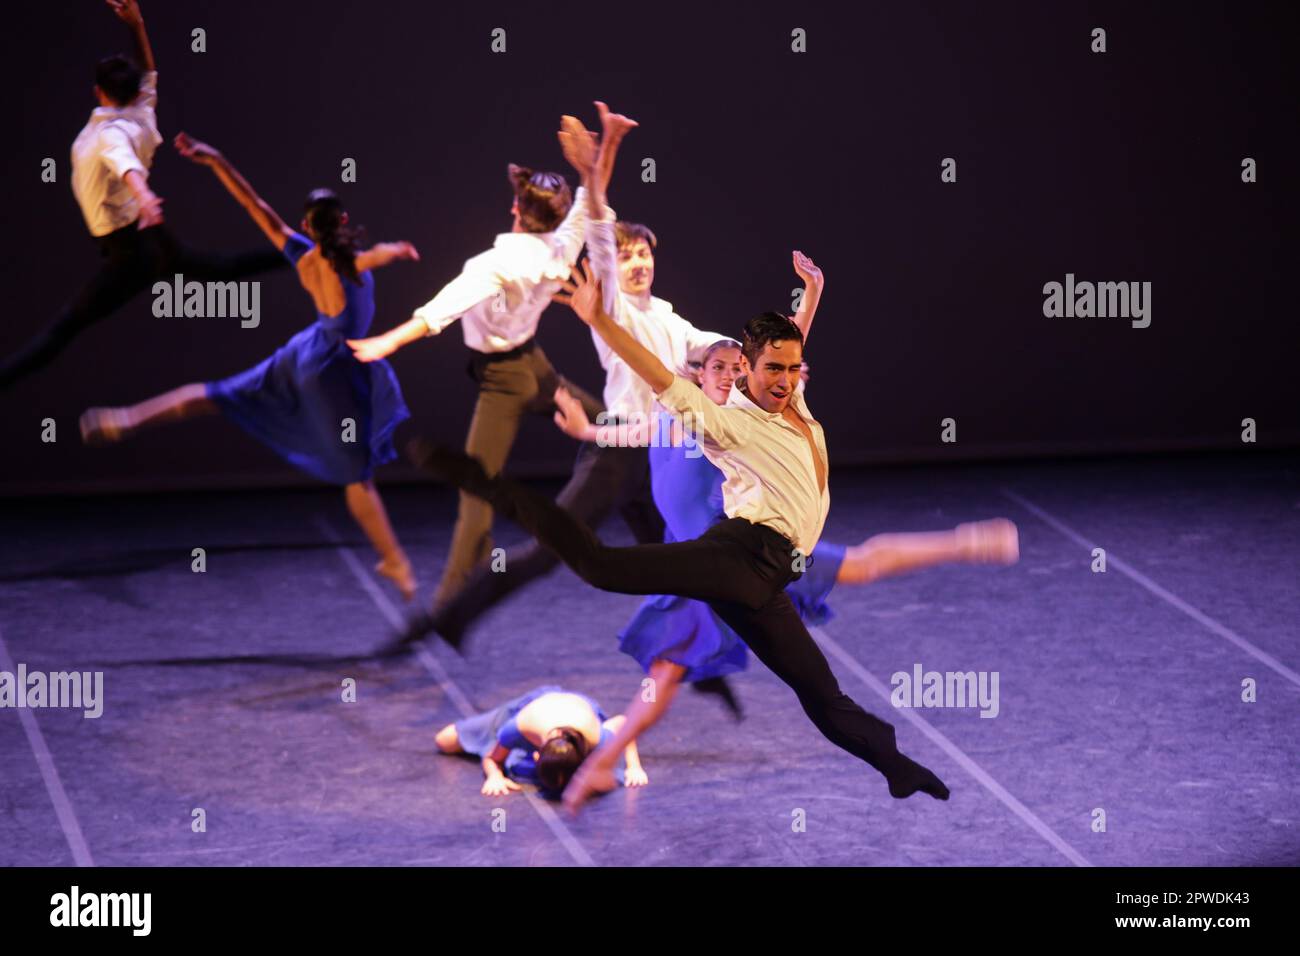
(368, 510)
(981, 542)
(100, 426)
(448, 740)
(596, 775)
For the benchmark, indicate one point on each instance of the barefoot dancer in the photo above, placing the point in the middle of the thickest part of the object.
(296, 401)
(110, 178)
(541, 737)
(772, 453)
(499, 298)
(677, 640)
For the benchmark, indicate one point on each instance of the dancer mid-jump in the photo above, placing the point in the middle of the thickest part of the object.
(499, 298)
(110, 178)
(773, 456)
(301, 400)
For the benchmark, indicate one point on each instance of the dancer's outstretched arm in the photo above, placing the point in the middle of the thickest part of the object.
(267, 219)
(128, 11)
(571, 418)
(583, 293)
(813, 284)
(383, 253)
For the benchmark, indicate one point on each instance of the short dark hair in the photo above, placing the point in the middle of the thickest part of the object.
(768, 327)
(544, 198)
(559, 758)
(119, 78)
(626, 233)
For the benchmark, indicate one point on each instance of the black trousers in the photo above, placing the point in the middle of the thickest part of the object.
(134, 259)
(741, 570)
(604, 480)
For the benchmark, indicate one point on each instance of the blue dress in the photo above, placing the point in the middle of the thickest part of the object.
(687, 489)
(480, 734)
(296, 400)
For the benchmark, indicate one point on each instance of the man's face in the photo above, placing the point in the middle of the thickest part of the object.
(721, 369)
(636, 267)
(772, 380)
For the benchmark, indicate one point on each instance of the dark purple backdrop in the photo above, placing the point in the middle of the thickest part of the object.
(1119, 166)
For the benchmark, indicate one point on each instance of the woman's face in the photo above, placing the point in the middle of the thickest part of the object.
(721, 369)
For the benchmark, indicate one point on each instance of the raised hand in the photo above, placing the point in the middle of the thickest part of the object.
(614, 125)
(807, 270)
(578, 144)
(405, 250)
(128, 11)
(583, 294)
(195, 151)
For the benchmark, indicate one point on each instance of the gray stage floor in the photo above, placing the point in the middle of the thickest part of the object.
(1120, 691)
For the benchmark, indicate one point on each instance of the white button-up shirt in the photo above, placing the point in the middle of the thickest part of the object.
(501, 294)
(114, 141)
(661, 330)
(770, 475)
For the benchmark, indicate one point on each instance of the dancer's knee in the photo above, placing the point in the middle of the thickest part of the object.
(448, 740)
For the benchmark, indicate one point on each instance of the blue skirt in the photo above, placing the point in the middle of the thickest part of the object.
(296, 402)
(690, 633)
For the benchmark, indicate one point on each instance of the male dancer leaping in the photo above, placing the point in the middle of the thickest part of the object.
(607, 477)
(110, 178)
(499, 298)
(773, 456)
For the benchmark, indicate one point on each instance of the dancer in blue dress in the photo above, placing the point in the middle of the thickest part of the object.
(677, 639)
(541, 738)
(312, 401)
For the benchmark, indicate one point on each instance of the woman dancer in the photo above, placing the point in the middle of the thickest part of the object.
(676, 639)
(301, 400)
(541, 737)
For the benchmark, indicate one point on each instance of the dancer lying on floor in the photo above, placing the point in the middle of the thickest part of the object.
(541, 738)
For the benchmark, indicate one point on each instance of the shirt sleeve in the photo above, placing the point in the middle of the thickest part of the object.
(477, 282)
(118, 154)
(567, 240)
(602, 246)
(296, 246)
(147, 98)
(699, 414)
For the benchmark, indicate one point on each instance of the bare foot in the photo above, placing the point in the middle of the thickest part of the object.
(586, 783)
(103, 426)
(614, 125)
(996, 541)
(399, 572)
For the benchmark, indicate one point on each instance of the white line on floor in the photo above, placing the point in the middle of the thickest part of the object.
(951, 749)
(1265, 658)
(50, 774)
(439, 673)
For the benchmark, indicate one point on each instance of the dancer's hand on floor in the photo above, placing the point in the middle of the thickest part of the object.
(571, 417)
(372, 349)
(635, 777)
(498, 786)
